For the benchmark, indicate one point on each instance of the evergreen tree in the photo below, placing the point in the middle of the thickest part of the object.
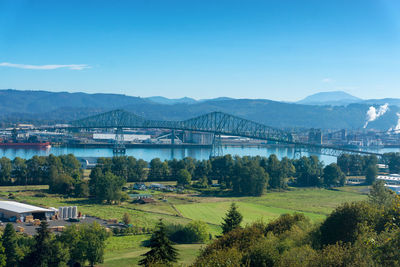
(41, 248)
(9, 240)
(232, 220)
(162, 251)
(5, 171)
(2, 255)
(46, 250)
(371, 174)
(276, 175)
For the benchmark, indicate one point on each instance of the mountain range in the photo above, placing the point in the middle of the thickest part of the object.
(333, 110)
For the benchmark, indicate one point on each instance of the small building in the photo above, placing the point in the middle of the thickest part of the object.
(139, 196)
(12, 210)
(383, 168)
(139, 186)
(144, 200)
(87, 162)
(155, 186)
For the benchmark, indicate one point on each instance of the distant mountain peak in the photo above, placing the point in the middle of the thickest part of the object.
(335, 98)
(170, 101)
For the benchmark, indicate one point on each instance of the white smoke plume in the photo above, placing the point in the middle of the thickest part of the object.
(396, 128)
(373, 114)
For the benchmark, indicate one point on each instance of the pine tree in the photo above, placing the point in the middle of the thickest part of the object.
(10, 244)
(40, 251)
(371, 173)
(162, 251)
(2, 255)
(232, 220)
(46, 250)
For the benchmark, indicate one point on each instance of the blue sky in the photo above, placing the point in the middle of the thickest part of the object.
(278, 49)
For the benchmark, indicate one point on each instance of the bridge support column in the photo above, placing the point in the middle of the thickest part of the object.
(216, 150)
(173, 137)
(119, 145)
(297, 152)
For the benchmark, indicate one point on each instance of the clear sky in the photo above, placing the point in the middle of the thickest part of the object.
(275, 49)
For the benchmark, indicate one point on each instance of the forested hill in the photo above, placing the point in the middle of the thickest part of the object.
(42, 106)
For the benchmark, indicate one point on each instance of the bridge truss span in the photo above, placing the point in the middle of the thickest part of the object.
(218, 123)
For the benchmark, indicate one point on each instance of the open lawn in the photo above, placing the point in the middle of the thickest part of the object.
(314, 203)
(127, 251)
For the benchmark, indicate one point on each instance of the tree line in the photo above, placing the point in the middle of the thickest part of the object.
(62, 173)
(242, 175)
(75, 246)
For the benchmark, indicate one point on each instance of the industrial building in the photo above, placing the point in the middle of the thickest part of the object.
(392, 181)
(13, 211)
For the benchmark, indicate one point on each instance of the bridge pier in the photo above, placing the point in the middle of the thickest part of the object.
(216, 150)
(119, 145)
(297, 152)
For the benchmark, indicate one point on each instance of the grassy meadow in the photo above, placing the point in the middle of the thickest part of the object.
(315, 203)
(127, 251)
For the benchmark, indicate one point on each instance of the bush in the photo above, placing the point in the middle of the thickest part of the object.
(298, 257)
(193, 232)
(284, 223)
(240, 238)
(344, 223)
(263, 253)
(40, 194)
(222, 258)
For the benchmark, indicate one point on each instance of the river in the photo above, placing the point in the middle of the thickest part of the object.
(167, 153)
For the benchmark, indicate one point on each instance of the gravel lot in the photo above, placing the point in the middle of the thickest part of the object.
(31, 229)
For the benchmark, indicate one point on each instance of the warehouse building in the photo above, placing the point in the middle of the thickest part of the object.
(12, 211)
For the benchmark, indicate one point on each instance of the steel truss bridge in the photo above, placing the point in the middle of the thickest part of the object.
(217, 123)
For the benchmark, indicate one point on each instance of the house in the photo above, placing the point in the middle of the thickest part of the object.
(139, 186)
(145, 200)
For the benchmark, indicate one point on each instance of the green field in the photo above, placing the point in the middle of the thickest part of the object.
(314, 203)
(127, 251)
(182, 208)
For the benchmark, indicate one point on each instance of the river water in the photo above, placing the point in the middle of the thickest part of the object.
(167, 153)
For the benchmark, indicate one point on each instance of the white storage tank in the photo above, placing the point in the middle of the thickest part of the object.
(60, 213)
(69, 212)
(65, 212)
(74, 212)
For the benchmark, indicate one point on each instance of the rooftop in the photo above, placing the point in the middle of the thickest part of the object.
(20, 207)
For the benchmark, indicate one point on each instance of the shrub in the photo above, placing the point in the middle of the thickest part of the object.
(298, 257)
(263, 253)
(284, 223)
(221, 258)
(240, 238)
(343, 224)
(193, 232)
